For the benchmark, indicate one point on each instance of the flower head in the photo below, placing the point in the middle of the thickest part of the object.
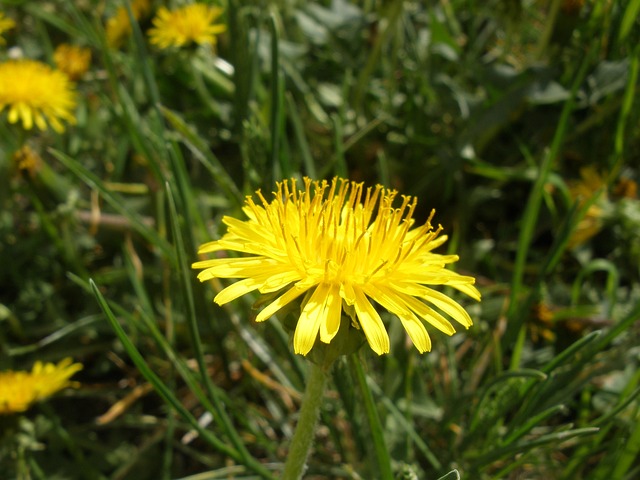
(36, 93)
(5, 24)
(342, 245)
(118, 27)
(19, 390)
(72, 60)
(189, 24)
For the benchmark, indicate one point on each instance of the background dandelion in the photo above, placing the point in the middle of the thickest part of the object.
(19, 390)
(185, 25)
(72, 60)
(35, 94)
(6, 24)
(118, 26)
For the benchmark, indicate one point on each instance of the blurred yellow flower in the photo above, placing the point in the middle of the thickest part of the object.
(118, 27)
(189, 24)
(27, 160)
(572, 7)
(541, 325)
(341, 245)
(590, 184)
(5, 24)
(626, 188)
(36, 94)
(72, 60)
(19, 390)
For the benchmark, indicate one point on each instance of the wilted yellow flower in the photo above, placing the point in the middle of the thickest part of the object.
(5, 24)
(185, 25)
(27, 160)
(626, 188)
(572, 7)
(118, 27)
(541, 326)
(72, 60)
(341, 245)
(591, 183)
(19, 390)
(36, 93)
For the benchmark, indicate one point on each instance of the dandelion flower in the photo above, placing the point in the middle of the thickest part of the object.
(118, 27)
(342, 245)
(5, 24)
(189, 24)
(19, 390)
(72, 60)
(35, 93)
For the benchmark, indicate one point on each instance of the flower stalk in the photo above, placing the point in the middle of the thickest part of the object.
(305, 430)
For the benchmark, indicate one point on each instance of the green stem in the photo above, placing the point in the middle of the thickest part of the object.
(552, 16)
(394, 11)
(304, 434)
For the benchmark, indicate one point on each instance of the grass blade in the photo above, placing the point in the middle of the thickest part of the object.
(383, 458)
(152, 378)
(192, 323)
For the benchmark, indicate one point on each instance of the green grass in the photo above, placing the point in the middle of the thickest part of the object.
(487, 111)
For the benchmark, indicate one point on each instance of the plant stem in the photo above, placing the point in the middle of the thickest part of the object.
(304, 434)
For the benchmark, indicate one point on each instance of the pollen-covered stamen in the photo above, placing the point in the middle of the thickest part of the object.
(369, 276)
(422, 242)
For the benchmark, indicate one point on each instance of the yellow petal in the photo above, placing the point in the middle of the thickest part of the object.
(470, 290)
(347, 293)
(309, 322)
(371, 323)
(387, 298)
(278, 280)
(448, 306)
(417, 332)
(332, 313)
(209, 247)
(428, 314)
(280, 302)
(13, 114)
(236, 290)
(25, 114)
(233, 267)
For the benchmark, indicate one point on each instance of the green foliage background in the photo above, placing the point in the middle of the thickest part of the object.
(487, 111)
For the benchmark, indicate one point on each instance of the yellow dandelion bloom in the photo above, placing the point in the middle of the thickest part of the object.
(342, 245)
(5, 24)
(19, 390)
(186, 25)
(118, 27)
(72, 60)
(36, 94)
